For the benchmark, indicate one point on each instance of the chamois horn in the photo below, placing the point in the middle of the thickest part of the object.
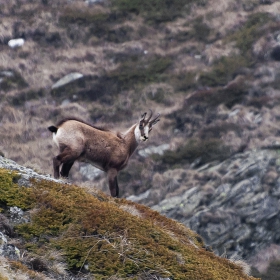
(151, 113)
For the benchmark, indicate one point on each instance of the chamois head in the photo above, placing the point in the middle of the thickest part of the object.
(145, 126)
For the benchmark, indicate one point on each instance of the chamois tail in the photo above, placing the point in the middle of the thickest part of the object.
(52, 129)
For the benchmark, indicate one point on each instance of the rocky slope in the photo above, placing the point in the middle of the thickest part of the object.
(51, 230)
(211, 68)
(234, 205)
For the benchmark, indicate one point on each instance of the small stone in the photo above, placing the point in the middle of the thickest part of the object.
(15, 43)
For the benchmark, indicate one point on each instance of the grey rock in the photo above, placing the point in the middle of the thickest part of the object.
(137, 198)
(3, 239)
(184, 204)
(241, 233)
(16, 43)
(65, 102)
(91, 172)
(67, 79)
(8, 250)
(276, 189)
(261, 207)
(6, 73)
(25, 174)
(93, 2)
(154, 150)
(16, 211)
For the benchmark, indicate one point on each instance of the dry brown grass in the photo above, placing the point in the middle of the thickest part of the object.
(23, 130)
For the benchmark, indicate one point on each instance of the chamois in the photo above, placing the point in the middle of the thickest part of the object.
(104, 149)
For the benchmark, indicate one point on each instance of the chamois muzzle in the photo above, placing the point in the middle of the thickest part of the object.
(144, 138)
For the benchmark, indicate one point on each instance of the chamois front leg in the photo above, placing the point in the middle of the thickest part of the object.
(113, 182)
(65, 169)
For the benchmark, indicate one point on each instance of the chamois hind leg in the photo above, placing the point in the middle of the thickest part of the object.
(66, 168)
(113, 182)
(67, 158)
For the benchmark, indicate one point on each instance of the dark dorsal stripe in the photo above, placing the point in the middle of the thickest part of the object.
(81, 121)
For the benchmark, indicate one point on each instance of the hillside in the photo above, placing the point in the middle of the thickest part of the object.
(211, 68)
(53, 230)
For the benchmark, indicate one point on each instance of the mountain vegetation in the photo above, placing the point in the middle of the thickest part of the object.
(211, 68)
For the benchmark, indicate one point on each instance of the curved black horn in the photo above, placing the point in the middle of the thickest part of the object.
(151, 113)
(143, 116)
(155, 120)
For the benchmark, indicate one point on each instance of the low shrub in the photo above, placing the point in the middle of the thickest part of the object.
(11, 80)
(184, 81)
(82, 16)
(201, 30)
(223, 71)
(154, 11)
(139, 71)
(250, 32)
(116, 113)
(120, 35)
(22, 97)
(234, 93)
(202, 150)
(217, 130)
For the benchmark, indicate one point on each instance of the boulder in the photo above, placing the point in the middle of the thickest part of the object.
(154, 150)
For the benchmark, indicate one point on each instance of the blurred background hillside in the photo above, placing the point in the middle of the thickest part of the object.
(210, 67)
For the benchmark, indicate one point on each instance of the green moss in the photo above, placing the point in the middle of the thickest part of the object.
(95, 231)
(10, 193)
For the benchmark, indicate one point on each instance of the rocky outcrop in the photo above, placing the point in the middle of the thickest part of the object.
(234, 205)
(25, 173)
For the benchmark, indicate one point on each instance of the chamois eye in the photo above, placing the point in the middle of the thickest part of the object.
(140, 125)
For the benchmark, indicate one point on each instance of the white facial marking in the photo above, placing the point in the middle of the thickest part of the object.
(137, 134)
(146, 131)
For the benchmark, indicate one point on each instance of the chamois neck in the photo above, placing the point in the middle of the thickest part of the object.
(131, 137)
